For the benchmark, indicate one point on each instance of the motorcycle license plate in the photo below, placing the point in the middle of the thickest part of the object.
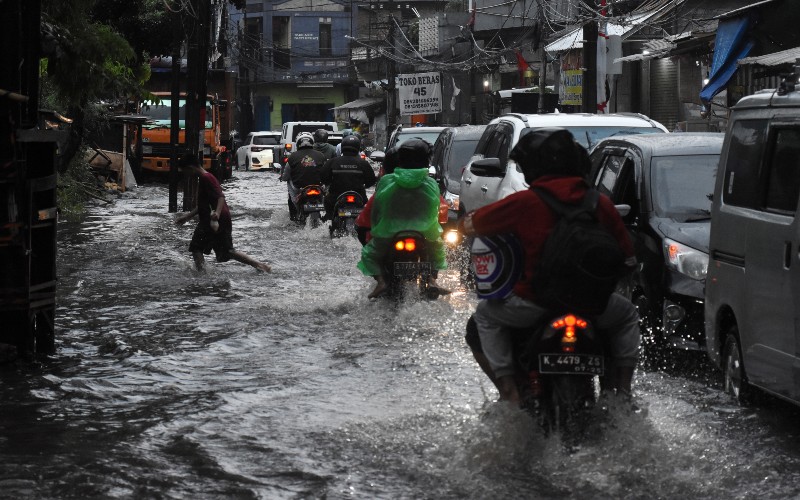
(411, 268)
(578, 364)
(313, 207)
(350, 212)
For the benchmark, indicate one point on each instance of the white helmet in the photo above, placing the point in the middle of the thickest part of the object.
(304, 140)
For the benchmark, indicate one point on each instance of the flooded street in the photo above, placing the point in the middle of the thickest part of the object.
(169, 383)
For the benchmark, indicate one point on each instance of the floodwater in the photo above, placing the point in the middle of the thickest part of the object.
(170, 383)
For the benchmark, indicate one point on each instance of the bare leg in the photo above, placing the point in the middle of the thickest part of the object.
(199, 261)
(508, 389)
(246, 259)
(380, 287)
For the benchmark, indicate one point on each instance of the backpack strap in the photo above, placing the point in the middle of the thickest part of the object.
(561, 209)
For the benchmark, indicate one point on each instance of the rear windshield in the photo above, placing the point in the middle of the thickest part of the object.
(685, 186)
(404, 135)
(265, 140)
(589, 136)
(308, 128)
(461, 152)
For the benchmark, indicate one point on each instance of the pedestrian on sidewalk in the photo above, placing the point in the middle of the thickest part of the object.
(214, 228)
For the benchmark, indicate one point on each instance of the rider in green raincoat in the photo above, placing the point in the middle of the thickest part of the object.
(407, 200)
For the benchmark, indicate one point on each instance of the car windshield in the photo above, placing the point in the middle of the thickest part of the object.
(682, 186)
(589, 136)
(265, 140)
(405, 135)
(309, 128)
(460, 154)
(161, 112)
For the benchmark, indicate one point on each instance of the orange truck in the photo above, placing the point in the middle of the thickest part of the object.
(156, 149)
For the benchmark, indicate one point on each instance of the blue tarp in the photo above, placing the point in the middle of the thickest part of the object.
(732, 43)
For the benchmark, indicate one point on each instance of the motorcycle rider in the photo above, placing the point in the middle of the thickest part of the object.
(346, 133)
(551, 160)
(406, 200)
(321, 144)
(302, 169)
(348, 172)
(363, 222)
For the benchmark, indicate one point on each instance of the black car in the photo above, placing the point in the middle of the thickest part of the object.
(451, 153)
(667, 180)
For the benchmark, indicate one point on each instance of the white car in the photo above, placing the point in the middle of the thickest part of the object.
(259, 151)
(491, 176)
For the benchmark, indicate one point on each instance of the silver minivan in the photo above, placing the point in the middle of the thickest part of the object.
(752, 291)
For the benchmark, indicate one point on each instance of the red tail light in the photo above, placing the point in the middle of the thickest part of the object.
(408, 244)
(350, 198)
(312, 192)
(569, 324)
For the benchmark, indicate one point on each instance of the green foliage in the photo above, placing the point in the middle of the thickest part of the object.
(75, 188)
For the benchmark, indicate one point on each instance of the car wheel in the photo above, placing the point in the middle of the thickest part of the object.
(735, 382)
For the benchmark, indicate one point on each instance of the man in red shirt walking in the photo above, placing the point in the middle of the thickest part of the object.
(214, 229)
(551, 160)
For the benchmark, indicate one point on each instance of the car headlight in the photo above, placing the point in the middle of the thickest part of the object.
(686, 260)
(452, 200)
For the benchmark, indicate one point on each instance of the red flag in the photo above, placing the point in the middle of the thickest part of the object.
(522, 65)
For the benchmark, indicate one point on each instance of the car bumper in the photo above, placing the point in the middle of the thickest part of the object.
(682, 313)
(261, 161)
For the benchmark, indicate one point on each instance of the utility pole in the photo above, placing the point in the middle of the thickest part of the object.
(391, 74)
(590, 34)
(196, 89)
(175, 127)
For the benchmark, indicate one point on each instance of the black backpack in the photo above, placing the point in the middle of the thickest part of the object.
(581, 261)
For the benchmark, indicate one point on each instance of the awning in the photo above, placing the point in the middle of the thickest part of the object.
(788, 56)
(731, 45)
(360, 109)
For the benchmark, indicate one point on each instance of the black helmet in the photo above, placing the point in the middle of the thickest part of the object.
(414, 153)
(390, 161)
(550, 151)
(351, 143)
(320, 135)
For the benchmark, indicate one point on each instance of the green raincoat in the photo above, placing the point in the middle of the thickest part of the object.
(407, 200)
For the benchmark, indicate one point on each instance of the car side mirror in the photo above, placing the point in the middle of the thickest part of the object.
(488, 167)
(623, 210)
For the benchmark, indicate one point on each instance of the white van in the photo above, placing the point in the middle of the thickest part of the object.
(753, 282)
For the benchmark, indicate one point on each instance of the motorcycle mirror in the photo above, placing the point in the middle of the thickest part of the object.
(623, 209)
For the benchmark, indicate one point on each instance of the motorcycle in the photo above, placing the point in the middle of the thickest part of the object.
(346, 209)
(406, 263)
(309, 205)
(558, 364)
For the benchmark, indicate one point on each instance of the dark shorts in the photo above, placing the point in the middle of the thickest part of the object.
(204, 240)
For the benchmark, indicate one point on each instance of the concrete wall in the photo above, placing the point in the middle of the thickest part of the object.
(293, 94)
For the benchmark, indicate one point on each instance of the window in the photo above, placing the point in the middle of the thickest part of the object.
(280, 42)
(483, 143)
(743, 164)
(783, 171)
(607, 180)
(499, 143)
(325, 45)
(685, 185)
(253, 38)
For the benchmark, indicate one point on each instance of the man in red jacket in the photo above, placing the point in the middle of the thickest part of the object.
(551, 160)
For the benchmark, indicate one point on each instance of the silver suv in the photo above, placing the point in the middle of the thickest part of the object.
(753, 282)
(491, 176)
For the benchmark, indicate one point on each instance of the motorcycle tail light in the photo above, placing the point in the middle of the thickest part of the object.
(312, 192)
(408, 244)
(350, 198)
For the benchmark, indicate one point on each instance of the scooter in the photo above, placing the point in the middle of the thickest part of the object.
(309, 205)
(346, 209)
(407, 263)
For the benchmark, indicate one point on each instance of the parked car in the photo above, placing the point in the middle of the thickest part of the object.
(667, 181)
(291, 129)
(402, 134)
(491, 176)
(451, 153)
(753, 283)
(260, 151)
